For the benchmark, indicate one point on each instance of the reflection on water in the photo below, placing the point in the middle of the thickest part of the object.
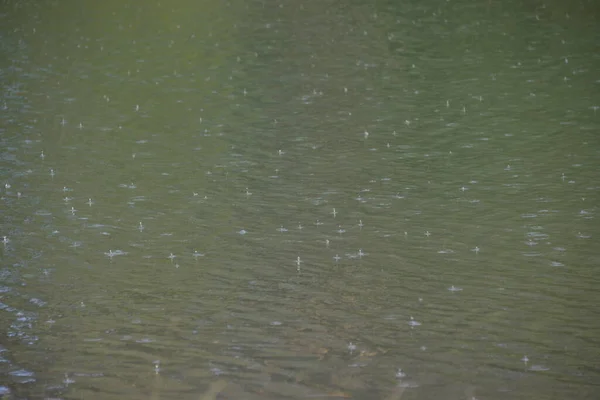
(267, 201)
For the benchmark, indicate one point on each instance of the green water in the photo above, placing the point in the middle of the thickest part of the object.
(291, 200)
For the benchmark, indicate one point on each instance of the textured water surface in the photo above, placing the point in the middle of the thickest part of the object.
(273, 200)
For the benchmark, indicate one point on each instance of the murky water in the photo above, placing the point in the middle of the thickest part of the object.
(269, 200)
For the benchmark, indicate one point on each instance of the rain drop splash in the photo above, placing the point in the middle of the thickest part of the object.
(196, 254)
(351, 347)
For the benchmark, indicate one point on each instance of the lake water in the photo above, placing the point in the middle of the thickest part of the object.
(297, 200)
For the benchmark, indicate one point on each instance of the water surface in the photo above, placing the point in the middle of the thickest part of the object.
(268, 200)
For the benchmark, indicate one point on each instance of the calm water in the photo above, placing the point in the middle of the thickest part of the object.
(292, 200)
